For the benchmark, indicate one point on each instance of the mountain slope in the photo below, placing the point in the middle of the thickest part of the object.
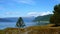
(43, 18)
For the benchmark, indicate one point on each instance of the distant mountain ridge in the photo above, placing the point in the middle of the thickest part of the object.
(27, 19)
(43, 18)
(15, 19)
(10, 19)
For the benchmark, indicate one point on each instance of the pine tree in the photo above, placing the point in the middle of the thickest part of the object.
(55, 19)
(20, 22)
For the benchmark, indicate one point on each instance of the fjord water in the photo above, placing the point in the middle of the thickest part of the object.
(28, 22)
(13, 24)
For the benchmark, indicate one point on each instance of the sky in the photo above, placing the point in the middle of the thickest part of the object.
(26, 8)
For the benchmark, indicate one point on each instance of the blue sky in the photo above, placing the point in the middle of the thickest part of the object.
(26, 8)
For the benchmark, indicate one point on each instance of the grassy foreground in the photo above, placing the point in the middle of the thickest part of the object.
(32, 30)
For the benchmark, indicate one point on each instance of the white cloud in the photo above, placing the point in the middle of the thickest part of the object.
(46, 13)
(33, 14)
(31, 2)
(38, 13)
(12, 13)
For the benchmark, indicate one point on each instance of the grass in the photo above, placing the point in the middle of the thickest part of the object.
(32, 30)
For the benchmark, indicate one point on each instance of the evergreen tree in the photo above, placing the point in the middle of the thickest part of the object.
(55, 19)
(20, 22)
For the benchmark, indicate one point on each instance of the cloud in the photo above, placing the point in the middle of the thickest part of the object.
(38, 13)
(33, 14)
(46, 13)
(12, 3)
(12, 13)
(31, 2)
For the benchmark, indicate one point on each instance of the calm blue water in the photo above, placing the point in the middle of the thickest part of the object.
(13, 24)
(28, 22)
